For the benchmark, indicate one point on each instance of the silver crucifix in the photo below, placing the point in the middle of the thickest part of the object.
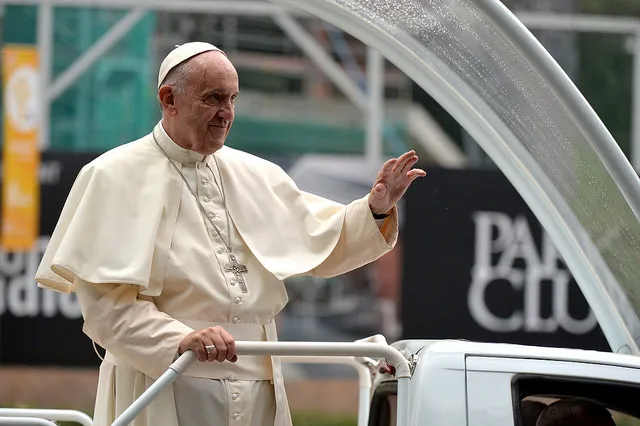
(237, 270)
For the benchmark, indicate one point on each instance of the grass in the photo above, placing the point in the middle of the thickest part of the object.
(300, 419)
(322, 419)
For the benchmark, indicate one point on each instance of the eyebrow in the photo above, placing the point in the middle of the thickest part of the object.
(217, 91)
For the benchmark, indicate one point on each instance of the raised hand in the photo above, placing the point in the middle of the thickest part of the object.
(392, 182)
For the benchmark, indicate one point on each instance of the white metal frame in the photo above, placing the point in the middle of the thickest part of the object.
(9, 415)
(288, 349)
(57, 415)
(45, 47)
(25, 421)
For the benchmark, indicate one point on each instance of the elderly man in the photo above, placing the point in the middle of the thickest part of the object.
(175, 242)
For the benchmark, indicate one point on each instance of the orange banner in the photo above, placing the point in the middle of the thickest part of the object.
(21, 152)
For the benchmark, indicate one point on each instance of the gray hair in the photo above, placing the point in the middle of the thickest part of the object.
(177, 77)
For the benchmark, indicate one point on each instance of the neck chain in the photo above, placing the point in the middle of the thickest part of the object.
(202, 209)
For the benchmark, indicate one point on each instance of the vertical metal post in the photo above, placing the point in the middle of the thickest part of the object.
(83, 85)
(230, 34)
(375, 111)
(403, 414)
(364, 393)
(45, 48)
(635, 117)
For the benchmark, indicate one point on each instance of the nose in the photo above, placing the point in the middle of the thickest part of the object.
(226, 111)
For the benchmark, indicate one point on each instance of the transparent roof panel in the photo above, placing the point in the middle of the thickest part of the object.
(476, 59)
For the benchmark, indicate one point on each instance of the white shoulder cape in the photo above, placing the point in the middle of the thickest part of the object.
(117, 223)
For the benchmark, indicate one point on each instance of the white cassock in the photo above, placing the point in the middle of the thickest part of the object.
(149, 268)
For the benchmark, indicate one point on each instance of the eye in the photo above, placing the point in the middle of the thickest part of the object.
(214, 97)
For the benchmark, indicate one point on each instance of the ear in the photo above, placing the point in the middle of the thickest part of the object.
(167, 99)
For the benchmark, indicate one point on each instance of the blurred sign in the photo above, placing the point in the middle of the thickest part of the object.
(479, 266)
(37, 326)
(21, 153)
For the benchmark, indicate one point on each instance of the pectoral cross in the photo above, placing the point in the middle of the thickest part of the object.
(237, 270)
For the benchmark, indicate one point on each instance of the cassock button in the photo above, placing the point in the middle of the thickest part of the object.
(232, 378)
(212, 215)
(205, 181)
(220, 250)
(236, 416)
(235, 320)
(235, 396)
(237, 300)
(205, 200)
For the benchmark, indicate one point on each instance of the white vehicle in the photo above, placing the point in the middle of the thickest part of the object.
(479, 384)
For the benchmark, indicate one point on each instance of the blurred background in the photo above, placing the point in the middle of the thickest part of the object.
(329, 110)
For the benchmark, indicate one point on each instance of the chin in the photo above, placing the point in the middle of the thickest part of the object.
(215, 145)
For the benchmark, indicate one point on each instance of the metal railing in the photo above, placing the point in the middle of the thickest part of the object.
(25, 421)
(358, 355)
(289, 349)
(57, 415)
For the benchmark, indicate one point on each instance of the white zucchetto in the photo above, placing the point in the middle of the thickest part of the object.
(180, 54)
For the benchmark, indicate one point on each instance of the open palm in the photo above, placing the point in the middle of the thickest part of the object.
(392, 182)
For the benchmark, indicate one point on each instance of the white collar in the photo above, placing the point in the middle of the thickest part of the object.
(175, 151)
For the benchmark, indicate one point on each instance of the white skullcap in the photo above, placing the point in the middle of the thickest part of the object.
(180, 54)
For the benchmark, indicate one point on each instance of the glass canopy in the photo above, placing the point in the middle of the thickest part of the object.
(481, 64)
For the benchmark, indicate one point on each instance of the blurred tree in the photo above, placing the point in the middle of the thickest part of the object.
(600, 64)
(607, 68)
(612, 7)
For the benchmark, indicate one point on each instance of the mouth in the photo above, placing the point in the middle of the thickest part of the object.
(218, 126)
(221, 126)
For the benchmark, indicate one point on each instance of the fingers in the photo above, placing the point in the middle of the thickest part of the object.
(209, 346)
(401, 161)
(221, 345)
(201, 352)
(194, 342)
(212, 353)
(409, 163)
(231, 345)
(389, 166)
(415, 173)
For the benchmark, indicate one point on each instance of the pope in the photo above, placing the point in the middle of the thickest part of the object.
(175, 242)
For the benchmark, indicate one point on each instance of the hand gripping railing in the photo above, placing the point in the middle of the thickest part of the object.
(57, 415)
(314, 349)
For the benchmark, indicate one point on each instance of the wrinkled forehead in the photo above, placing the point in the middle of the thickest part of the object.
(213, 71)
